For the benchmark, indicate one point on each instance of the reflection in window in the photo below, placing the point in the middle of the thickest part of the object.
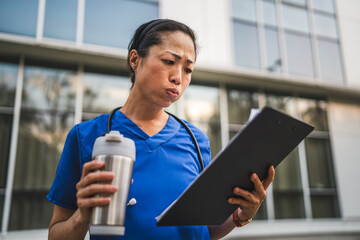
(319, 160)
(5, 134)
(299, 54)
(60, 19)
(244, 9)
(41, 140)
(330, 61)
(102, 93)
(107, 21)
(320, 169)
(202, 110)
(48, 88)
(323, 5)
(284, 104)
(272, 50)
(8, 75)
(240, 104)
(269, 13)
(1, 207)
(325, 206)
(287, 188)
(246, 45)
(19, 16)
(261, 213)
(295, 18)
(325, 26)
(314, 113)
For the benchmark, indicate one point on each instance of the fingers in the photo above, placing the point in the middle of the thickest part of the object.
(270, 178)
(247, 198)
(89, 185)
(92, 202)
(91, 166)
(94, 177)
(93, 189)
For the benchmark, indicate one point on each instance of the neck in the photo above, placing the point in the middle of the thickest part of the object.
(149, 117)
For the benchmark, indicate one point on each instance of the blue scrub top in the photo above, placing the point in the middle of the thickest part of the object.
(165, 165)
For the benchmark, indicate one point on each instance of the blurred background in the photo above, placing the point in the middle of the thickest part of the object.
(64, 61)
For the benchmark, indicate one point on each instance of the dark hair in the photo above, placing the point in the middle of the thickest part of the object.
(149, 34)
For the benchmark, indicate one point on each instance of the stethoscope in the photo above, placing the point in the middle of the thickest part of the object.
(177, 119)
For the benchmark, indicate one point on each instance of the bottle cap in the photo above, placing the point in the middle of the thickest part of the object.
(114, 143)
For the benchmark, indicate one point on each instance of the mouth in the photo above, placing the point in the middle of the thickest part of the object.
(173, 92)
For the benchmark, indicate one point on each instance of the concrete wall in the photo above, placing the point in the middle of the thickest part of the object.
(349, 26)
(344, 122)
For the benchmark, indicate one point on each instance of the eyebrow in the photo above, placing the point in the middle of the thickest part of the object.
(179, 57)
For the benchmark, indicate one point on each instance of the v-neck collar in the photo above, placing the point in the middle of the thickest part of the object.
(169, 130)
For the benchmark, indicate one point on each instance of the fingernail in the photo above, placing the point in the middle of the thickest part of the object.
(231, 200)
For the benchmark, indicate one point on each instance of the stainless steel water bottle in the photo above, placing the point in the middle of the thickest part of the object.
(118, 153)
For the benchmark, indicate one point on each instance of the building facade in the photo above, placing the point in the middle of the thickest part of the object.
(64, 62)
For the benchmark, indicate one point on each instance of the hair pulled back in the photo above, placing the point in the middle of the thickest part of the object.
(144, 38)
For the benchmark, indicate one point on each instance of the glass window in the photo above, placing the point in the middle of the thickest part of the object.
(284, 104)
(107, 21)
(60, 19)
(299, 54)
(49, 88)
(202, 110)
(325, 206)
(1, 206)
(8, 75)
(19, 16)
(41, 140)
(272, 50)
(261, 213)
(295, 18)
(319, 161)
(102, 93)
(5, 135)
(269, 13)
(325, 26)
(330, 61)
(287, 188)
(314, 113)
(46, 117)
(244, 9)
(323, 5)
(240, 104)
(322, 182)
(300, 2)
(246, 45)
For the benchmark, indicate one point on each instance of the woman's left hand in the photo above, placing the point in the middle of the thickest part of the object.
(249, 203)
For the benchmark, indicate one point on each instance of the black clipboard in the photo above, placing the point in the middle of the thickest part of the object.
(262, 142)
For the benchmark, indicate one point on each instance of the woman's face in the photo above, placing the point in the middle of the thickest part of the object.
(163, 75)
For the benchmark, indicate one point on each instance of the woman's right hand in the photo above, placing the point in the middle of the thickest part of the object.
(89, 185)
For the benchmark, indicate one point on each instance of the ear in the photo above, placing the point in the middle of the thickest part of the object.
(134, 59)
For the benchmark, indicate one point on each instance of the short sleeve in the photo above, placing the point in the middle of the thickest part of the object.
(68, 173)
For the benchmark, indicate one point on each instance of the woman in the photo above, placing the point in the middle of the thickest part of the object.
(161, 58)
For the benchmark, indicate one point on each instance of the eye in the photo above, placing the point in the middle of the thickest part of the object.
(168, 62)
(188, 70)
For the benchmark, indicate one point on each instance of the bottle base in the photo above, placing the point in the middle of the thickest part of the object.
(107, 230)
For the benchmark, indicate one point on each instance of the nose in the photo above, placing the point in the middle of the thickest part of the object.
(175, 77)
